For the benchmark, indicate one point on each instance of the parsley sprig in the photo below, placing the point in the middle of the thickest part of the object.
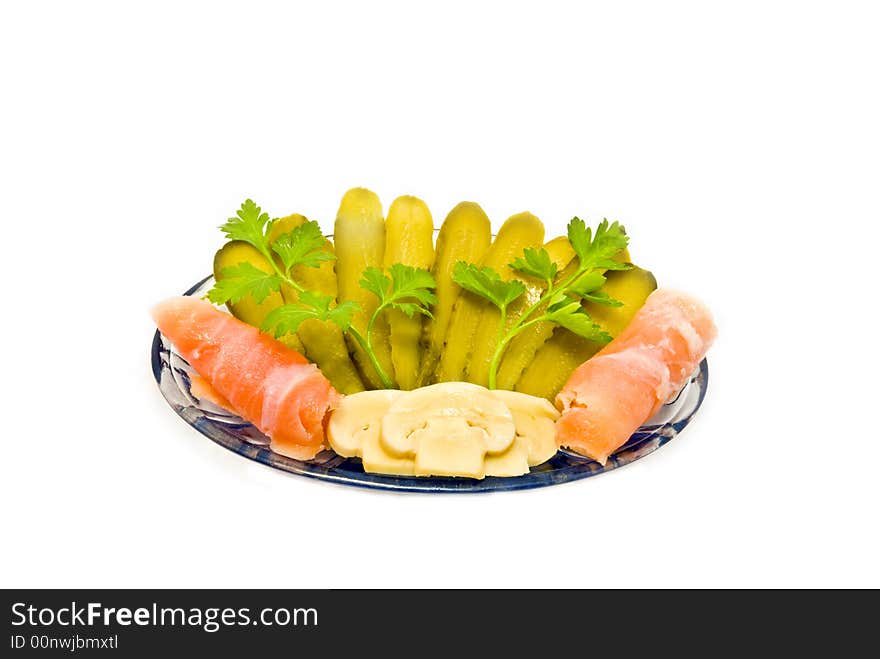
(407, 289)
(302, 246)
(287, 318)
(561, 301)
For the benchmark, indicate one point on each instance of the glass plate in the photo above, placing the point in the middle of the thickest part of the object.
(230, 431)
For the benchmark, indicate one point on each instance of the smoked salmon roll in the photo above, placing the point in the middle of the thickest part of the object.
(609, 396)
(266, 383)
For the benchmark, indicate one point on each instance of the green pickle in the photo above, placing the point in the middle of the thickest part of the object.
(525, 346)
(465, 235)
(359, 237)
(478, 366)
(247, 309)
(522, 349)
(474, 323)
(324, 342)
(409, 239)
(564, 351)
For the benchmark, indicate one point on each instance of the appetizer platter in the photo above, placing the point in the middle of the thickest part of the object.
(393, 355)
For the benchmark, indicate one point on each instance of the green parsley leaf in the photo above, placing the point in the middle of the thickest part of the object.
(341, 314)
(241, 280)
(305, 245)
(612, 264)
(535, 263)
(409, 282)
(600, 297)
(597, 251)
(586, 283)
(411, 309)
(313, 299)
(487, 283)
(569, 313)
(249, 225)
(287, 318)
(408, 289)
(375, 281)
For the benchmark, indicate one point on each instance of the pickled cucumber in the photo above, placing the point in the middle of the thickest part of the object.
(324, 342)
(554, 362)
(474, 321)
(285, 225)
(409, 239)
(561, 254)
(359, 238)
(524, 347)
(632, 287)
(246, 309)
(464, 236)
(565, 351)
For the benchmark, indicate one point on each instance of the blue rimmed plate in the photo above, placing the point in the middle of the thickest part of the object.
(230, 431)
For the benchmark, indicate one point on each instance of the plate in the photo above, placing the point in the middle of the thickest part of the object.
(231, 432)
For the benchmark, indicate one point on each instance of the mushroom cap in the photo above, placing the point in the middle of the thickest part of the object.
(487, 420)
(535, 420)
(358, 419)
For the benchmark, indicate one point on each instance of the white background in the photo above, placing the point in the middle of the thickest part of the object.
(738, 144)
